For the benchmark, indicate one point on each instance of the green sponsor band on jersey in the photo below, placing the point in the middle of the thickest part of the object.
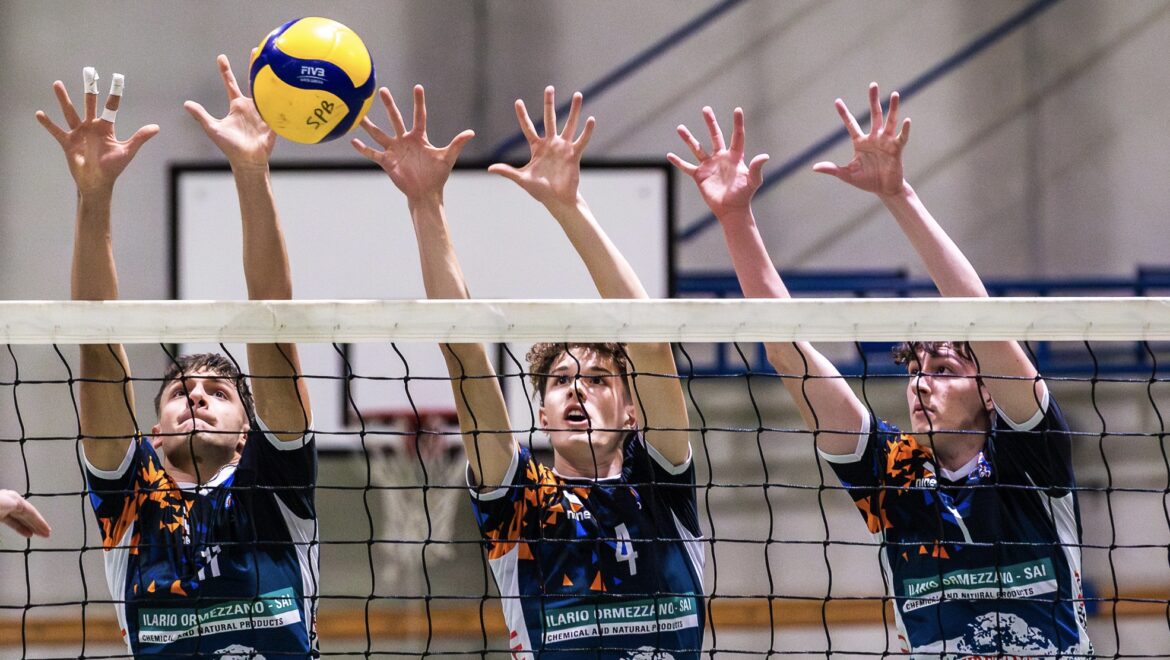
(1023, 580)
(631, 617)
(270, 610)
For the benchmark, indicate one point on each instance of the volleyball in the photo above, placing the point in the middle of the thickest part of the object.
(312, 79)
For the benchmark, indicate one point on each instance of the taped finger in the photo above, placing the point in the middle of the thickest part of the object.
(90, 76)
(117, 84)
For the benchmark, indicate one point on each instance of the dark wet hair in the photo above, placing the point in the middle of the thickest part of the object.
(542, 356)
(908, 352)
(217, 365)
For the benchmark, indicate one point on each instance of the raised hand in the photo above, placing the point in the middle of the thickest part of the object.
(553, 172)
(241, 135)
(416, 166)
(725, 182)
(17, 513)
(877, 156)
(96, 157)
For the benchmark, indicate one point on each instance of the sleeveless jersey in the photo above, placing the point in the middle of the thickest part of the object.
(223, 570)
(608, 568)
(984, 562)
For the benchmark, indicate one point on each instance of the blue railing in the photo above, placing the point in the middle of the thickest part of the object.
(1112, 359)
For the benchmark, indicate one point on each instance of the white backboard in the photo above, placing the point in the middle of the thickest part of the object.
(349, 236)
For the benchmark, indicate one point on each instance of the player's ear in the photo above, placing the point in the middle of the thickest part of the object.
(631, 416)
(543, 417)
(988, 402)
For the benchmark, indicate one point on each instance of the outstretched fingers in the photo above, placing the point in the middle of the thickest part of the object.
(574, 115)
(507, 171)
(455, 146)
(526, 125)
(694, 145)
(756, 170)
(550, 111)
(904, 134)
(201, 115)
(847, 117)
(89, 77)
(420, 111)
(828, 167)
(364, 149)
(892, 114)
(391, 112)
(229, 79)
(56, 131)
(875, 109)
(683, 166)
(717, 143)
(140, 137)
(583, 141)
(376, 133)
(72, 119)
(737, 131)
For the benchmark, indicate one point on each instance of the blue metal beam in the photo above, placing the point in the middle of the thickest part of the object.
(801, 160)
(656, 50)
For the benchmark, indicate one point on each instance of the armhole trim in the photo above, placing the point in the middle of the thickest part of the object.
(1035, 420)
(123, 467)
(670, 468)
(283, 445)
(859, 451)
(505, 483)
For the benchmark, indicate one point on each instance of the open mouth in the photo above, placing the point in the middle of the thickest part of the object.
(576, 416)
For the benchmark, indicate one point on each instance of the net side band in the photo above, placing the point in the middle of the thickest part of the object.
(870, 319)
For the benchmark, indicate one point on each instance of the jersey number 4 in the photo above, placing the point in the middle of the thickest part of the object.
(624, 549)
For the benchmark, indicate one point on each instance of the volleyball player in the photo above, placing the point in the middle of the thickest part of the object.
(17, 513)
(594, 555)
(208, 525)
(976, 510)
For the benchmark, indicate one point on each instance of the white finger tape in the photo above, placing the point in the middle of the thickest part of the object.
(117, 84)
(109, 114)
(90, 76)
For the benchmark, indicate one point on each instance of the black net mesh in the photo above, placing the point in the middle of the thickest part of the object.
(790, 568)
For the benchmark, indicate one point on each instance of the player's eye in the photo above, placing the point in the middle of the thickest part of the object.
(220, 394)
(596, 380)
(562, 380)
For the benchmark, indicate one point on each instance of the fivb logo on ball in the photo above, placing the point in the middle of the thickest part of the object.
(312, 80)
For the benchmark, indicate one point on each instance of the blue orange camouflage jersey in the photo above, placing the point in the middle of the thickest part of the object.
(984, 561)
(223, 569)
(609, 568)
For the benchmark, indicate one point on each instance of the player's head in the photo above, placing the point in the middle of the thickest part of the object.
(585, 401)
(944, 392)
(204, 411)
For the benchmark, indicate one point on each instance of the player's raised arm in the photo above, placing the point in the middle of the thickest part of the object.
(281, 395)
(420, 170)
(727, 185)
(552, 176)
(876, 167)
(96, 158)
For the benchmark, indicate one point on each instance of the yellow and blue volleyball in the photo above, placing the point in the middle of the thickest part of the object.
(312, 80)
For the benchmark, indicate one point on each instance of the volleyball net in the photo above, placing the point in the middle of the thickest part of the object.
(790, 567)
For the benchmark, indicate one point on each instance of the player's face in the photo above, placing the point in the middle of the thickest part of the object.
(202, 423)
(587, 410)
(944, 395)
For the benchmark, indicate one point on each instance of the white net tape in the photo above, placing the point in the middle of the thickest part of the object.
(872, 319)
